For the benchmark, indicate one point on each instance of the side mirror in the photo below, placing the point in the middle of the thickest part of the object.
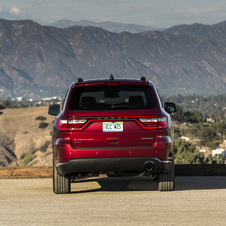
(54, 109)
(170, 107)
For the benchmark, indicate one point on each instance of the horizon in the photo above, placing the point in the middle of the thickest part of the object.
(148, 13)
(100, 22)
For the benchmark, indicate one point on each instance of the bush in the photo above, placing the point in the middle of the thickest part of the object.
(33, 163)
(27, 158)
(1, 107)
(176, 133)
(41, 118)
(46, 154)
(22, 156)
(209, 159)
(45, 146)
(43, 125)
(186, 153)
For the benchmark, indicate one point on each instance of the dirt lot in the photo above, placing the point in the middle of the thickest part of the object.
(114, 201)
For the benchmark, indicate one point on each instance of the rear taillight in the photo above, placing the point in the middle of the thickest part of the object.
(71, 123)
(62, 123)
(162, 122)
(74, 124)
(154, 122)
(151, 123)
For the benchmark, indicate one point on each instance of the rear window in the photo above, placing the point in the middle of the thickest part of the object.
(112, 98)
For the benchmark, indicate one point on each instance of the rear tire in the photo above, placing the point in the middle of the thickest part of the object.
(61, 185)
(166, 182)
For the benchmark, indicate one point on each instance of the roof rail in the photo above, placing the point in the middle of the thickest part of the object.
(143, 79)
(80, 80)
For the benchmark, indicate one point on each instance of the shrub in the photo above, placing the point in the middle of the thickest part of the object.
(1, 107)
(46, 154)
(186, 153)
(43, 125)
(22, 156)
(41, 118)
(27, 158)
(33, 163)
(45, 146)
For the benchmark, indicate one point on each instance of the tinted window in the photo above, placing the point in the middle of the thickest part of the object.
(112, 98)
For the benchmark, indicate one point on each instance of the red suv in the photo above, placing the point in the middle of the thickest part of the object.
(114, 126)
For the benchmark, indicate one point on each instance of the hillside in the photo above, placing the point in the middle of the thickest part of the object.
(22, 141)
(215, 32)
(39, 61)
(20, 133)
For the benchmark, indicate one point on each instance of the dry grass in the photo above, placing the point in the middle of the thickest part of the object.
(22, 126)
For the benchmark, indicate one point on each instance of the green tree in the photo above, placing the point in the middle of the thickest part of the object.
(186, 153)
(179, 114)
(220, 115)
(6, 103)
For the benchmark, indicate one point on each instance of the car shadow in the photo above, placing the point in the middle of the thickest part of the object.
(118, 184)
(1, 112)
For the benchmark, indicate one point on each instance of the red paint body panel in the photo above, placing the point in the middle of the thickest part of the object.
(90, 141)
(160, 150)
(132, 135)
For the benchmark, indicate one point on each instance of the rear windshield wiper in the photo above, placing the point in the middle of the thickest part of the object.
(122, 106)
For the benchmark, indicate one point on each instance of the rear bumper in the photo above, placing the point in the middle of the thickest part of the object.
(74, 166)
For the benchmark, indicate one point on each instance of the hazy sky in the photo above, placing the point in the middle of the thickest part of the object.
(157, 13)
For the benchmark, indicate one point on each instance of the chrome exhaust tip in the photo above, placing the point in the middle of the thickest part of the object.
(149, 167)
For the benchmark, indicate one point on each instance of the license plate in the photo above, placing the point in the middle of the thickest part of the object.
(112, 126)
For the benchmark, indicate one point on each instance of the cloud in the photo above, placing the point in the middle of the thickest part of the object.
(150, 22)
(14, 11)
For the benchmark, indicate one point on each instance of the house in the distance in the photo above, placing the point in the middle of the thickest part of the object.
(185, 138)
(218, 152)
(210, 120)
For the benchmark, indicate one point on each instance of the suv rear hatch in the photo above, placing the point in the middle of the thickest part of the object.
(112, 116)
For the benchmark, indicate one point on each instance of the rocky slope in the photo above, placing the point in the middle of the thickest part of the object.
(38, 61)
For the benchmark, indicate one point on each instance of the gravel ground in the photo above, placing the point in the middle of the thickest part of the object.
(114, 201)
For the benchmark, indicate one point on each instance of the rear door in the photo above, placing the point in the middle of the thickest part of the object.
(113, 117)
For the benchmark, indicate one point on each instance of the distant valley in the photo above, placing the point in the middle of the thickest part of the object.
(42, 61)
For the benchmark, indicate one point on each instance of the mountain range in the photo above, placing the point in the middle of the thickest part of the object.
(106, 25)
(40, 61)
